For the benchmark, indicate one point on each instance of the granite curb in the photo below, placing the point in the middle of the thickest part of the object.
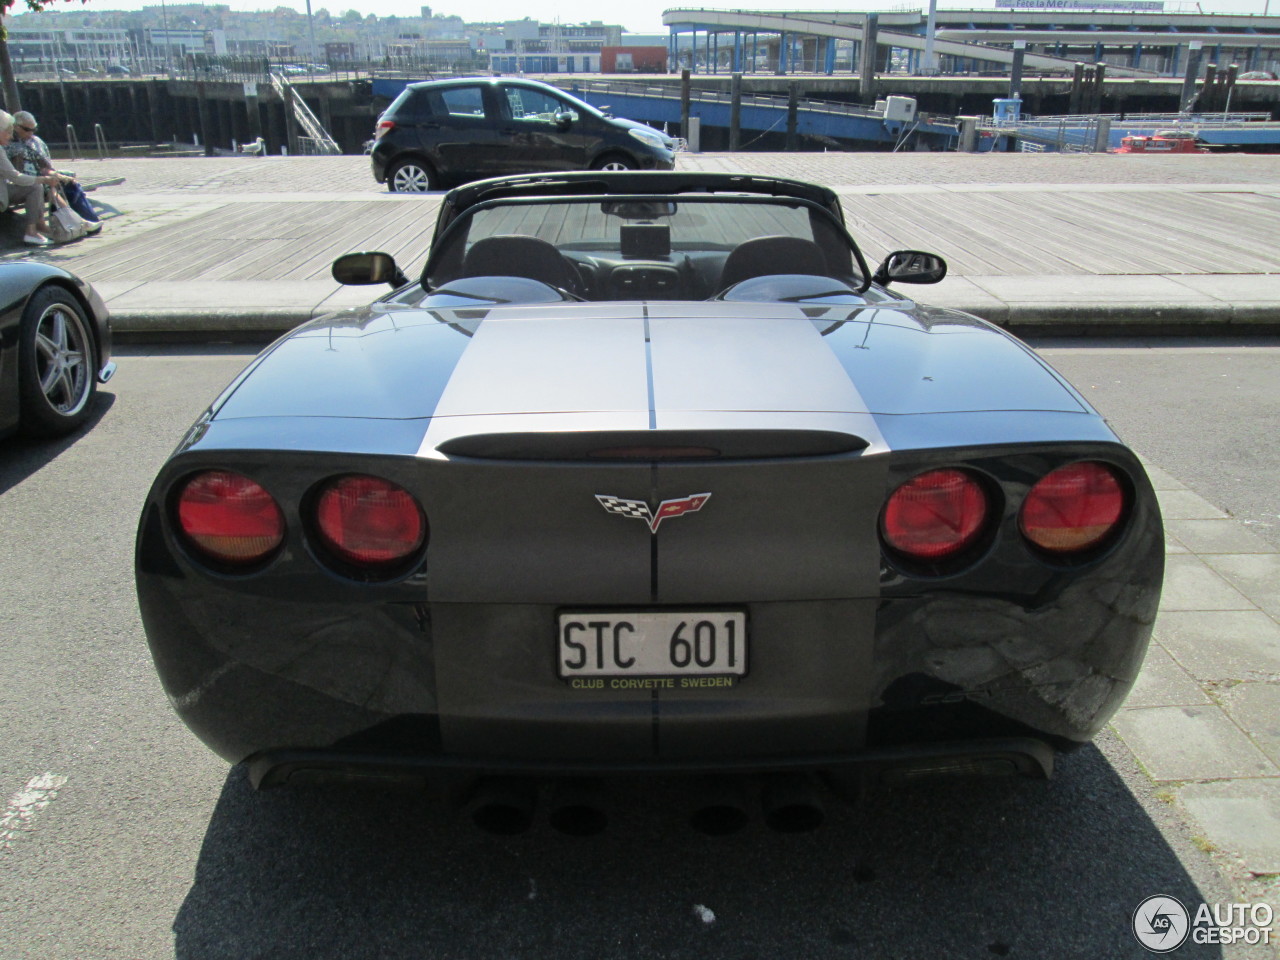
(137, 322)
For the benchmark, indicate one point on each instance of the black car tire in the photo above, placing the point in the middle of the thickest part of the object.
(57, 370)
(411, 176)
(613, 161)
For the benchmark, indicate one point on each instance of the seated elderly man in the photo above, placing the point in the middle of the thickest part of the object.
(30, 154)
(24, 189)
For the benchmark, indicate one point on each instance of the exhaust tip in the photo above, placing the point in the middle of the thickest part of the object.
(723, 807)
(504, 807)
(791, 805)
(576, 808)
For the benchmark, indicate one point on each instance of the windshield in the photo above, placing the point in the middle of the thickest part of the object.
(644, 247)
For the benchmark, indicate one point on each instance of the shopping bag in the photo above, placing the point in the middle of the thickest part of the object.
(64, 223)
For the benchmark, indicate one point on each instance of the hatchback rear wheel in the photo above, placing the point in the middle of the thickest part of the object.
(411, 176)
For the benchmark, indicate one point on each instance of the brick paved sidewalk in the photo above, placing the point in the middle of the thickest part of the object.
(1204, 716)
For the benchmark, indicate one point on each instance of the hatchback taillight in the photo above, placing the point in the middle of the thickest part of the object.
(369, 522)
(935, 515)
(1073, 508)
(229, 518)
(383, 128)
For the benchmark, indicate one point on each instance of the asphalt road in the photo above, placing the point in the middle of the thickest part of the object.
(151, 847)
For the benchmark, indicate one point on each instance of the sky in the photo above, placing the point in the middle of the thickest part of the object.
(636, 16)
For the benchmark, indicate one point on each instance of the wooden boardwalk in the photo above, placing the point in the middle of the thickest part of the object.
(994, 233)
(286, 219)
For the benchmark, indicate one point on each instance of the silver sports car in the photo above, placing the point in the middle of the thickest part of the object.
(647, 473)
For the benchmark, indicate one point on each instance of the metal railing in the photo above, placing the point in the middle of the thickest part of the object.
(250, 69)
(1066, 134)
(1157, 119)
(1081, 133)
(314, 140)
(236, 69)
(315, 147)
(715, 96)
(73, 143)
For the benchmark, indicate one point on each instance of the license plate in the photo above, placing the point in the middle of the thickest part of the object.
(666, 644)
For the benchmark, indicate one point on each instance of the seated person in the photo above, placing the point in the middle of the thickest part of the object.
(24, 189)
(30, 154)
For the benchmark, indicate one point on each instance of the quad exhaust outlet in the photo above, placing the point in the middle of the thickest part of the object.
(789, 803)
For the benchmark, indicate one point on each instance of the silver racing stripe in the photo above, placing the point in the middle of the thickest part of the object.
(763, 370)
(766, 363)
(765, 367)
(525, 371)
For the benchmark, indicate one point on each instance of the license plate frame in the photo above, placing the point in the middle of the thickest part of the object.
(651, 643)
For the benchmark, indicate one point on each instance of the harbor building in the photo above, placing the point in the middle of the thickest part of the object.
(1132, 37)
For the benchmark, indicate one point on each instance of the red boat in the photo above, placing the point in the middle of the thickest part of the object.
(1162, 141)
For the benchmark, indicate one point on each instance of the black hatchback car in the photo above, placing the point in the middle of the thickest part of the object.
(445, 132)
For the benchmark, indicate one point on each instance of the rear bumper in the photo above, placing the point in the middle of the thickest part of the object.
(378, 163)
(428, 689)
(1018, 756)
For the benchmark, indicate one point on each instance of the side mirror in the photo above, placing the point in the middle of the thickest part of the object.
(910, 266)
(564, 121)
(359, 269)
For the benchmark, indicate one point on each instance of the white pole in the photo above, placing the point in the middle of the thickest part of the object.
(930, 65)
(168, 62)
(311, 30)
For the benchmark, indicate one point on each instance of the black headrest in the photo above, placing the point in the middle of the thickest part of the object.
(769, 255)
(520, 256)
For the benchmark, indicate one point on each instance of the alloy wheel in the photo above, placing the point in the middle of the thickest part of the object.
(62, 349)
(410, 178)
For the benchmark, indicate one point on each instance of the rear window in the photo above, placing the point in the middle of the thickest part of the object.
(404, 105)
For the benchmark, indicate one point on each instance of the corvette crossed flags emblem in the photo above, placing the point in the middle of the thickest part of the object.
(640, 510)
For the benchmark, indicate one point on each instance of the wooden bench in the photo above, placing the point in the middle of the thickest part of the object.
(88, 184)
(13, 228)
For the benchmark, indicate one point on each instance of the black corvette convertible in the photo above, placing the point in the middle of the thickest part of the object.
(55, 348)
(647, 473)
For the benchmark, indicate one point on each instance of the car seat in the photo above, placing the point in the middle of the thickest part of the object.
(521, 256)
(771, 255)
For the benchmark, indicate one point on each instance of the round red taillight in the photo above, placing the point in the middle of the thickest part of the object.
(1073, 508)
(935, 515)
(368, 521)
(230, 518)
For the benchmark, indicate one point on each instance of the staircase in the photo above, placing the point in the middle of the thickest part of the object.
(311, 138)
